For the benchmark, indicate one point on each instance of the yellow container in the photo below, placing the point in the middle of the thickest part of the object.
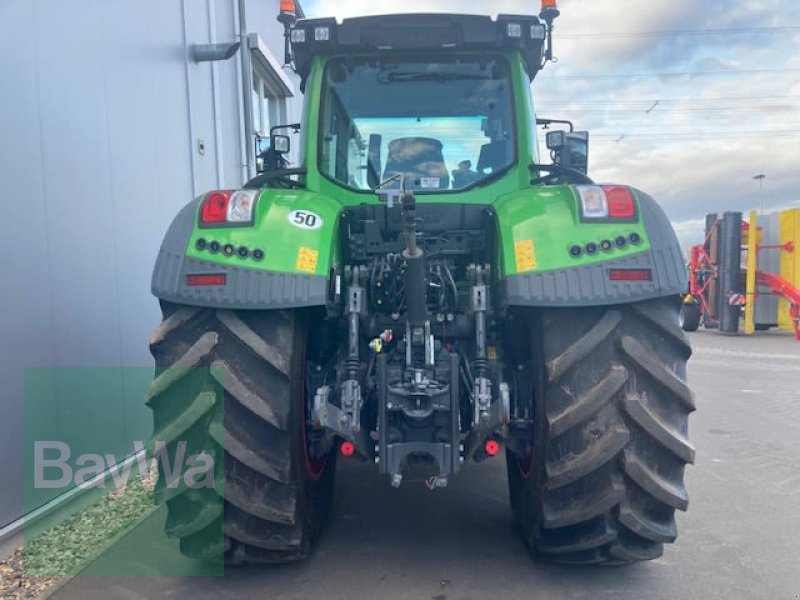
(790, 261)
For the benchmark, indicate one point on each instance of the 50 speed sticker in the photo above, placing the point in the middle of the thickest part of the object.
(305, 219)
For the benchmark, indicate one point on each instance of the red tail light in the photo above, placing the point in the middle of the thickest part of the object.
(347, 449)
(620, 202)
(215, 207)
(630, 275)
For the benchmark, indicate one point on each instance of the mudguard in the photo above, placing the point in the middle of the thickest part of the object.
(282, 260)
(536, 235)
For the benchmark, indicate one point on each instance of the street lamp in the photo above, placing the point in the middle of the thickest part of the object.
(760, 178)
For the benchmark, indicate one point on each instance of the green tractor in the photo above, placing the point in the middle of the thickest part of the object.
(420, 293)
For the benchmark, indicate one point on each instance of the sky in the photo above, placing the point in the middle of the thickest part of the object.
(684, 99)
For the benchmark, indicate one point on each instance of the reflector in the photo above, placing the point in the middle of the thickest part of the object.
(491, 447)
(206, 279)
(630, 275)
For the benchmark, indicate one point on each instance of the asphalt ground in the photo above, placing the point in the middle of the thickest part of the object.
(739, 539)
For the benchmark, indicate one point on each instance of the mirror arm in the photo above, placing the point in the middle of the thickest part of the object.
(259, 181)
(546, 122)
(295, 126)
(576, 176)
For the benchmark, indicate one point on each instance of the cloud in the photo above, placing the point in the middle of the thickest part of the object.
(698, 149)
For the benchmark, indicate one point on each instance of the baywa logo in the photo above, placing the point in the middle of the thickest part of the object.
(57, 472)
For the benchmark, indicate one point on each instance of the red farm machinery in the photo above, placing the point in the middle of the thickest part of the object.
(745, 271)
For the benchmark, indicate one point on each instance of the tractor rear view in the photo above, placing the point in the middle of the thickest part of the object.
(420, 292)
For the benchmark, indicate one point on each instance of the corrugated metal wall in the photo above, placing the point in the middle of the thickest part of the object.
(100, 117)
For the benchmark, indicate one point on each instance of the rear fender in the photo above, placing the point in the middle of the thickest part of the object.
(296, 231)
(537, 227)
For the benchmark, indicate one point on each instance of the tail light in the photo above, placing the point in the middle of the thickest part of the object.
(621, 204)
(222, 208)
(215, 207)
(606, 203)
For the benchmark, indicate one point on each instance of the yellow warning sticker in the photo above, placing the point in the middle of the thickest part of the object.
(307, 260)
(525, 255)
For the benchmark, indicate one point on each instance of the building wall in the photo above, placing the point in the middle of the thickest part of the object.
(100, 118)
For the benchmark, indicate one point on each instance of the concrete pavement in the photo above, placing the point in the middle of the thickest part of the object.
(739, 539)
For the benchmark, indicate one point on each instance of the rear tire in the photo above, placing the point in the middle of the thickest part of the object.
(610, 422)
(231, 384)
(690, 316)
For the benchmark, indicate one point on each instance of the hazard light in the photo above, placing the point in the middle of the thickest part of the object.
(549, 10)
(288, 8)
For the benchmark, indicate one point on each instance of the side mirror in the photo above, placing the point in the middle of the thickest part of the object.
(270, 153)
(570, 149)
(281, 144)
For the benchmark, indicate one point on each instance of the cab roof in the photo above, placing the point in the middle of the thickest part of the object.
(388, 34)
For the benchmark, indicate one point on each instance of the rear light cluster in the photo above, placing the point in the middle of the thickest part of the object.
(606, 203)
(225, 207)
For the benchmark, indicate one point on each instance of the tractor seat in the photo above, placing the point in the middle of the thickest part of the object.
(420, 160)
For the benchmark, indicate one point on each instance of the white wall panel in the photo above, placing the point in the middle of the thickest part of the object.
(100, 114)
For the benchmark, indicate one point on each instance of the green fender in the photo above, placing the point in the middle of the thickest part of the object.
(538, 227)
(281, 260)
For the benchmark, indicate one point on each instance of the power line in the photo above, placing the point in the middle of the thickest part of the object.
(680, 32)
(732, 72)
(656, 111)
(649, 101)
(684, 135)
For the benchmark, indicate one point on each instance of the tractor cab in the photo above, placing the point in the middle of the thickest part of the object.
(439, 101)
